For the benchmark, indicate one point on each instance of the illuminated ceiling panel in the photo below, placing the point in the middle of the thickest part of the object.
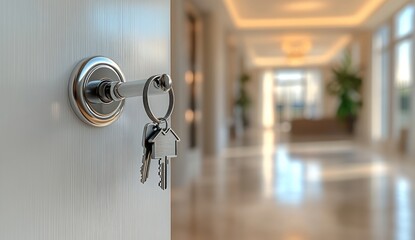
(300, 13)
(270, 52)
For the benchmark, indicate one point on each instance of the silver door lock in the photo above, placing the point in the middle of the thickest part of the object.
(97, 90)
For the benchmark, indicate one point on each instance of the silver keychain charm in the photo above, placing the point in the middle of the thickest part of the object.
(164, 147)
(159, 142)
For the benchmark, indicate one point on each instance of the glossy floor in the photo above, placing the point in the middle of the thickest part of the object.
(331, 190)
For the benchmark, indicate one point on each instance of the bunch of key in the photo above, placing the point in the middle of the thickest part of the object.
(159, 144)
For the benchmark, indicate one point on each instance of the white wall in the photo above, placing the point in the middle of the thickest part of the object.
(254, 89)
(362, 56)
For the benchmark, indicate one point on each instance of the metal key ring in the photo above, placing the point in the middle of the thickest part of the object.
(146, 102)
(166, 122)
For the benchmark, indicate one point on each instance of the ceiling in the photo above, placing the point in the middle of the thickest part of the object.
(294, 49)
(300, 13)
(293, 9)
(286, 33)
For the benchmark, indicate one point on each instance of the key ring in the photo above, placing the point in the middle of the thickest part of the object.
(146, 102)
(163, 120)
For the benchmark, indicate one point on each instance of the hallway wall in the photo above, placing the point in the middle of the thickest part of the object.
(362, 55)
(187, 166)
(214, 85)
(255, 92)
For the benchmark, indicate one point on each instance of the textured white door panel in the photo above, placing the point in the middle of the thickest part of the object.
(59, 178)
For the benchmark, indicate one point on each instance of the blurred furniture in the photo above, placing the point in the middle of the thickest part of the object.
(403, 141)
(319, 129)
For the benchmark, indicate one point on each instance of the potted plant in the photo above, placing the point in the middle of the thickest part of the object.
(243, 101)
(346, 85)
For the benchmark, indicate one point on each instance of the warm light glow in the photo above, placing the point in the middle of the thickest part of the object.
(189, 116)
(267, 100)
(306, 61)
(295, 61)
(304, 6)
(199, 77)
(189, 77)
(296, 50)
(349, 21)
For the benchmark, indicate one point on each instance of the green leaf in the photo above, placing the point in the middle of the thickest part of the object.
(346, 85)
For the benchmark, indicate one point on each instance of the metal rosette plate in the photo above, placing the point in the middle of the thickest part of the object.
(95, 69)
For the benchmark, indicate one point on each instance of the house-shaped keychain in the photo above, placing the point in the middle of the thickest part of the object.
(164, 144)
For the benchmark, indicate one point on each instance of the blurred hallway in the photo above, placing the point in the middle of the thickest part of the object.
(335, 78)
(301, 191)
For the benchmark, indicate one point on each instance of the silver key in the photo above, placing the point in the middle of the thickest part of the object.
(163, 166)
(164, 147)
(149, 130)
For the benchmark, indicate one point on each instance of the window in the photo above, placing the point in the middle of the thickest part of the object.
(404, 22)
(392, 79)
(290, 94)
(403, 81)
(298, 94)
(314, 95)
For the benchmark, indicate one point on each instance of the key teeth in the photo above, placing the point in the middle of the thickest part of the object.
(161, 186)
(160, 172)
(142, 179)
(142, 174)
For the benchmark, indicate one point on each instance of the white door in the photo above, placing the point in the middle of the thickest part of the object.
(60, 178)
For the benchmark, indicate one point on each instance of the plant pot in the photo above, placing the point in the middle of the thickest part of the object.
(351, 124)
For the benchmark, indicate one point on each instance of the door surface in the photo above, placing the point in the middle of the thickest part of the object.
(60, 178)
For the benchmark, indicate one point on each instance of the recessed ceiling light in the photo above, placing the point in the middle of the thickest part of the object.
(304, 6)
(297, 50)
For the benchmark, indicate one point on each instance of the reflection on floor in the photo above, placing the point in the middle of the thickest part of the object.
(301, 191)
